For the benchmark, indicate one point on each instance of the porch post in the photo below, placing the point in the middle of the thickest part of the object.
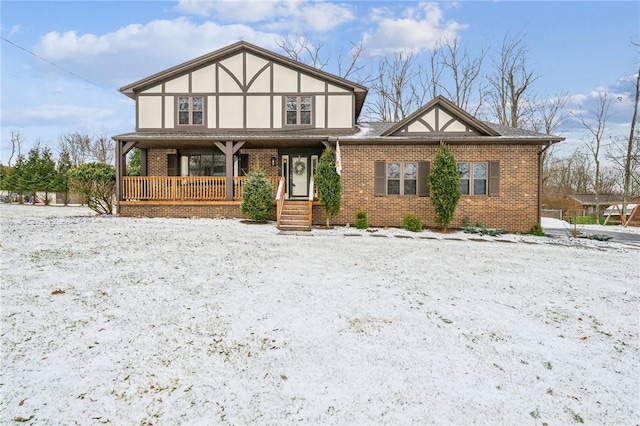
(229, 148)
(118, 173)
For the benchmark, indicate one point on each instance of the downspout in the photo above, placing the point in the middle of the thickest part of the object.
(540, 152)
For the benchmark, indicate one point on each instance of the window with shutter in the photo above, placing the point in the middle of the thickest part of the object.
(494, 178)
(401, 178)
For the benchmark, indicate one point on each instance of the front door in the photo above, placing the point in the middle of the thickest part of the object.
(299, 176)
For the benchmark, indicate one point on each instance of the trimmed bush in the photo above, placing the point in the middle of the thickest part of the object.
(412, 222)
(362, 221)
(444, 181)
(96, 183)
(536, 230)
(257, 196)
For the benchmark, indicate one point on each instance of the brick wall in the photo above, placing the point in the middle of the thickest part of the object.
(515, 209)
(231, 210)
(157, 161)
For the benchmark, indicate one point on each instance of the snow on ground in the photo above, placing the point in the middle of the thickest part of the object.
(199, 321)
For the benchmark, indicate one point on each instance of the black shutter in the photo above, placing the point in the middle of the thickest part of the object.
(143, 162)
(380, 187)
(494, 178)
(172, 164)
(423, 175)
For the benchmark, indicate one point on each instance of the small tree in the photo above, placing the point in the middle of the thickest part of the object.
(134, 165)
(96, 183)
(257, 196)
(327, 180)
(62, 176)
(444, 181)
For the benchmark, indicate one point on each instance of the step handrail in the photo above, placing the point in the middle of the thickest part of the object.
(311, 184)
(279, 200)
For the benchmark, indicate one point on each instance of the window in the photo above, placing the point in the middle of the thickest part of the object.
(206, 165)
(473, 178)
(298, 110)
(191, 110)
(401, 178)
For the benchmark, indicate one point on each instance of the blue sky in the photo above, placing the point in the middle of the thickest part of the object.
(575, 47)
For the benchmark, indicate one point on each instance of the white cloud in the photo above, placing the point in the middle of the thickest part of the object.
(291, 15)
(136, 51)
(420, 27)
(52, 114)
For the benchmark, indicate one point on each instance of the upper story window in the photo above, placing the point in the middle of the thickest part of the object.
(191, 110)
(473, 178)
(298, 110)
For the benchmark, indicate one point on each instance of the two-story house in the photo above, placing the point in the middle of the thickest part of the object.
(203, 125)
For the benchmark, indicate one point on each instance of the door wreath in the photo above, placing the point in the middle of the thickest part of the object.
(299, 167)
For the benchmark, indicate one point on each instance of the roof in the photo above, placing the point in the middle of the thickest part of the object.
(590, 199)
(359, 90)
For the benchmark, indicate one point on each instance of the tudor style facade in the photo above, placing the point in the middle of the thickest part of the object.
(202, 125)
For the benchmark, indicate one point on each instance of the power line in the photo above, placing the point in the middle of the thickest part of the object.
(51, 63)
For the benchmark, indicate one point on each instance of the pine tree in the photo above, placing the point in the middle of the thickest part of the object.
(48, 175)
(133, 167)
(62, 175)
(444, 181)
(257, 196)
(327, 180)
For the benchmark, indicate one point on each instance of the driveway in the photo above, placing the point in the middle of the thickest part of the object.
(558, 229)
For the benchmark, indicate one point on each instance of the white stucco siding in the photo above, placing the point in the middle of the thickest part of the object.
(150, 112)
(235, 66)
(154, 89)
(430, 117)
(262, 84)
(285, 80)
(231, 112)
(340, 112)
(211, 112)
(177, 85)
(455, 126)
(320, 111)
(258, 112)
(253, 66)
(417, 126)
(226, 83)
(336, 89)
(277, 112)
(309, 84)
(169, 112)
(204, 80)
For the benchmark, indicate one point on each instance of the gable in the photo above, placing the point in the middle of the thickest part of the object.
(440, 117)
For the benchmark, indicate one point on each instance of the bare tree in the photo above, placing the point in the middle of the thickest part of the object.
(568, 175)
(632, 136)
(393, 87)
(16, 141)
(299, 48)
(596, 127)
(353, 66)
(77, 145)
(511, 82)
(103, 149)
(464, 71)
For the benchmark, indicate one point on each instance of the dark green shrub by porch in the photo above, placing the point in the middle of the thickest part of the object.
(444, 181)
(257, 196)
(327, 180)
(362, 222)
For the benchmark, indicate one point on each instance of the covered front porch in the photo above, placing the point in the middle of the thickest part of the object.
(198, 177)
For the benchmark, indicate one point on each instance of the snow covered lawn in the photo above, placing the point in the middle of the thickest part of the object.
(197, 321)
